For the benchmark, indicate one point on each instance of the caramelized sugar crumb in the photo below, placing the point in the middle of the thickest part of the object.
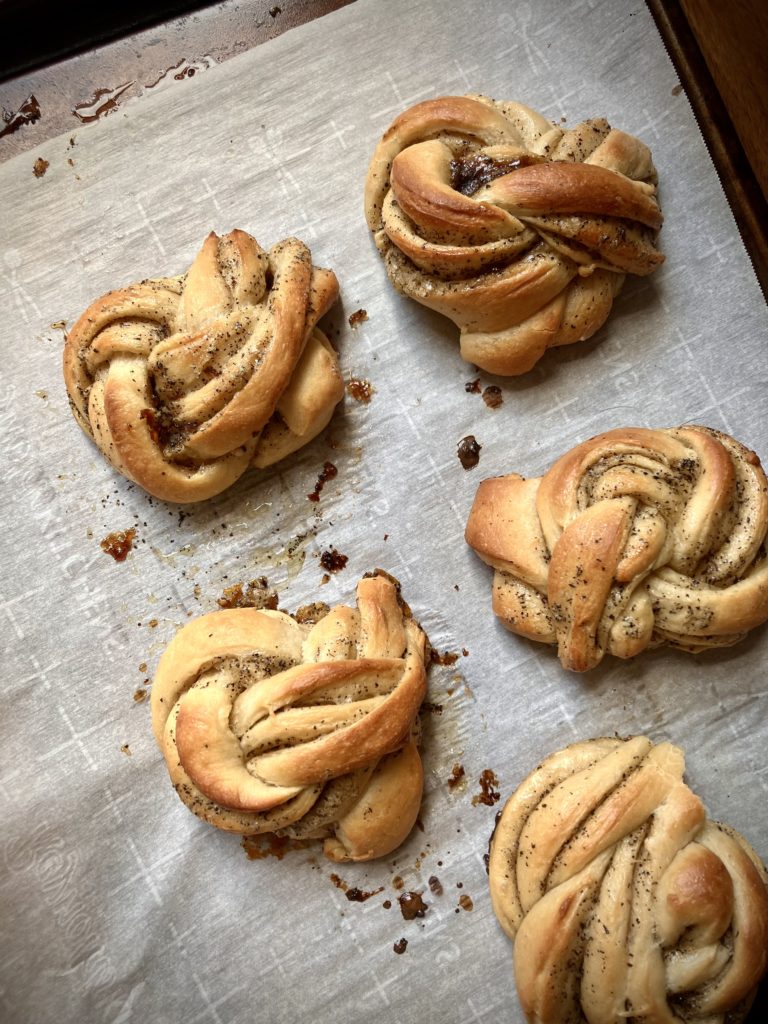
(358, 317)
(256, 594)
(333, 561)
(312, 613)
(360, 389)
(119, 543)
(457, 774)
(446, 658)
(488, 794)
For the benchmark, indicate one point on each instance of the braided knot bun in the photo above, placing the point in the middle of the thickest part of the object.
(624, 901)
(632, 539)
(270, 725)
(185, 382)
(520, 232)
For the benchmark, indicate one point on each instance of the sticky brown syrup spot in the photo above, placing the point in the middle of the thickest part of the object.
(355, 895)
(471, 173)
(400, 946)
(468, 451)
(465, 902)
(329, 471)
(412, 905)
(104, 102)
(39, 167)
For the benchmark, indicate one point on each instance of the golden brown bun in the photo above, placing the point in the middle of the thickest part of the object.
(623, 900)
(268, 725)
(185, 382)
(632, 539)
(520, 232)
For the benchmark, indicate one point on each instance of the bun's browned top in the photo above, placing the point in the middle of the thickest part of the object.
(183, 383)
(520, 231)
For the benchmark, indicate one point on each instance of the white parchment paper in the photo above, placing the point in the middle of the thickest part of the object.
(118, 904)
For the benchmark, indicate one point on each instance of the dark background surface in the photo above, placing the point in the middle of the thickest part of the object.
(34, 33)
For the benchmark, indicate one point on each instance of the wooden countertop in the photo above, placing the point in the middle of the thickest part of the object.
(719, 50)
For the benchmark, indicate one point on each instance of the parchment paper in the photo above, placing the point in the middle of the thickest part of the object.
(118, 904)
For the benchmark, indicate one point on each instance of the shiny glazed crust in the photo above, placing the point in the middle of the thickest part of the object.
(529, 259)
(632, 539)
(183, 383)
(268, 725)
(624, 901)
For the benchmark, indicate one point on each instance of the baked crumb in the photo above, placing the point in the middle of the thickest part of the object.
(358, 317)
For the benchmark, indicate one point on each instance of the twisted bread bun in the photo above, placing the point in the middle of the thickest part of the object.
(185, 382)
(268, 725)
(632, 539)
(624, 901)
(520, 232)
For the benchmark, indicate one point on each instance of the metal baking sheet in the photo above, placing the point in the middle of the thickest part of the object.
(118, 904)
